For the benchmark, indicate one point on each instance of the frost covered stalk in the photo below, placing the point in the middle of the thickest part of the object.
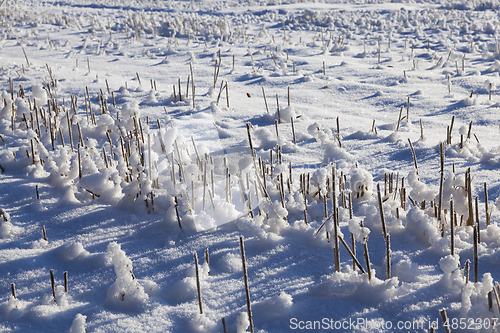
(198, 282)
(149, 156)
(204, 184)
(466, 271)
(245, 276)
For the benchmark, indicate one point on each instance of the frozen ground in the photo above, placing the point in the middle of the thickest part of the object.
(144, 180)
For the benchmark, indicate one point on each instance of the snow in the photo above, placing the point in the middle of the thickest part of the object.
(125, 134)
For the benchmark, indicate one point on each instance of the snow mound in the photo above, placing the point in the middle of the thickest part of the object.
(274, 307)
(125, 294)
(358, 287)
(79, 324)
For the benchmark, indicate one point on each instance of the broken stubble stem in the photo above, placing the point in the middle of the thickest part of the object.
(198, 282)
(444, 317)
(250, 138)
(44, 233)
(496, 294)
(53, 284)
(440, 202)
(381, 208)
(388, 255)
(265, 100)
(353, 256)
(13, 290)
(475, 235)
(335, 218)
(452, 225)
(488, 216)
(245, 276)
(399, 120)
(224, 325)
(470, 220)
(28, 62)
(414, 156)
(367, 259)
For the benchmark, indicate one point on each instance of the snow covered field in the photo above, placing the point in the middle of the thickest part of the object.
(126, 136)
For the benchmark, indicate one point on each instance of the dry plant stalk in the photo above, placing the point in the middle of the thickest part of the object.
(65, 282)
(440, 202)
(198, 282)
(247, 290)
(414, 156)
(44, 233)
(278, 108)
(53, 284)
(452, 225)
(496, 294)
(470, 220)
(335, 219)
(367, 259)
(445, 320)
(28, 62)
(399, 120)
(265, 100)
(353, 256)
(224, 325)
(466, 271)
(250, 139)
(388, 255)
(488, 215)
(381, 208)
(475, 235)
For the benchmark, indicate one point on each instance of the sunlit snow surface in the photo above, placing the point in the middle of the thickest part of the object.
(147, 177)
